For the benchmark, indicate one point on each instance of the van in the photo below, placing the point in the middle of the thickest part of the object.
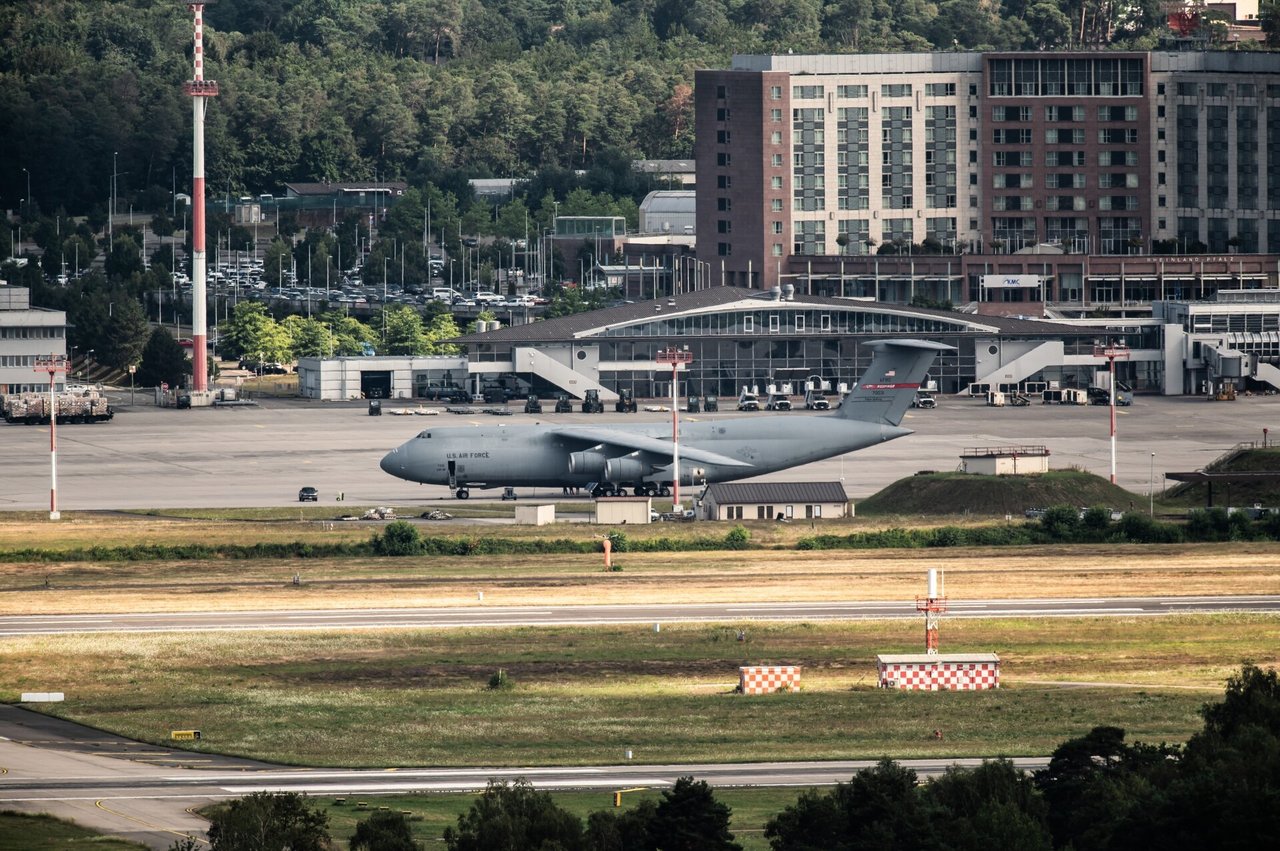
(445, 294)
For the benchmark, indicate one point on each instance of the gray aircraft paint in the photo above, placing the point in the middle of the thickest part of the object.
(717, 450)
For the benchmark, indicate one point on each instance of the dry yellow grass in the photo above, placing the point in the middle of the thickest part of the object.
(748, 576)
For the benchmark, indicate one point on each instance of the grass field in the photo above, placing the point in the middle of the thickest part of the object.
(19, 832)
(721, 576)
(586, 695)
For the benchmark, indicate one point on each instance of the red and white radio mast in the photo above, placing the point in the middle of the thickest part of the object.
(198, 89)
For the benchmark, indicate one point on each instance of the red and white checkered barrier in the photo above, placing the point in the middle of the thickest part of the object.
(767, 679)
(940, 676)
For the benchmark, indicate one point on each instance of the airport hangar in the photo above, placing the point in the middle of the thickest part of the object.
(740, 337)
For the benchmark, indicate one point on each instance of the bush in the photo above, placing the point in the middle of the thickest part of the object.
(1096, 521)
(514, 815)
(947, 536)
(500, 681)
(399, 538)
(621, 543)
(738, 538)
(384, 831)
(270, 821)
(1061, 523)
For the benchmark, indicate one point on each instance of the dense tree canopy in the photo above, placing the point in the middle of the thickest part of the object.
(416, 89)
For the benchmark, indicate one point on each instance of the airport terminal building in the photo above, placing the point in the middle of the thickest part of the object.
(740, 337)
(787, 341)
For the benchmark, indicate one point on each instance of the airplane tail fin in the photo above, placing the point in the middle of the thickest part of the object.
(886, 389)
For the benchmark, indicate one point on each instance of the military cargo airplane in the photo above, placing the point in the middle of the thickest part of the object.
(612, 460)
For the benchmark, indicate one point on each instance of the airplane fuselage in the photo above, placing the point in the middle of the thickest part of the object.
(541, 455)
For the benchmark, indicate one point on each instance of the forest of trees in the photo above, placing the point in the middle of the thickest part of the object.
(426, 90)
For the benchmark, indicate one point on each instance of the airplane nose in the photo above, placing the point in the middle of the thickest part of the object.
(390, 462)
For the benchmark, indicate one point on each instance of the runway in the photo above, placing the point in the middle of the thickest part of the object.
(480, 616)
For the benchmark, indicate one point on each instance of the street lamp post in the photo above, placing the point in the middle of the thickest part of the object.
(112, 212)
(28, 174)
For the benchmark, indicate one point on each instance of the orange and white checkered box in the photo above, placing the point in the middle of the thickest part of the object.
(767, 679)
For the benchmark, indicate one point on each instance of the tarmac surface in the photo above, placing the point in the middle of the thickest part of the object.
(259, 456)
(513, 616)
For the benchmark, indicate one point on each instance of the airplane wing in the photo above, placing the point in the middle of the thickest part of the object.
(652, 445)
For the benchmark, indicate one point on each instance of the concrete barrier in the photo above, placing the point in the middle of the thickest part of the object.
(42, 697)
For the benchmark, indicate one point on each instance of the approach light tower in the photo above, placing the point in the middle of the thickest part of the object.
(198, 89)
(676, 358)
(933, 605)
(1112, 351)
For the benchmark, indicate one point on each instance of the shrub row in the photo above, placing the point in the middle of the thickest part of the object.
(1064, 524)
(180, 552)
(1060, 525)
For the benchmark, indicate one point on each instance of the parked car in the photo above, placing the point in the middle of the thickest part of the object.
(308, 494)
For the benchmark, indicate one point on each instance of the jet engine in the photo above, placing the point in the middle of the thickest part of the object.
(625, 470)
(586, 463)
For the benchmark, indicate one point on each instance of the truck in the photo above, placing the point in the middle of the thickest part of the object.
(591, 403)
(778, 402)
(626, 403)
(33, 408)
(748, 401)
(816, 400)
(924, 399)
(563, 404)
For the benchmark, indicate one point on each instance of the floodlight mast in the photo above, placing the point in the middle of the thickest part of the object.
(1111, 352)
(676, 358)
(53, 365)
(198, 89)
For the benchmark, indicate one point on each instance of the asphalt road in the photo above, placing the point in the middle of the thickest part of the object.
(260, 456)
(482, 617)
(56, 766)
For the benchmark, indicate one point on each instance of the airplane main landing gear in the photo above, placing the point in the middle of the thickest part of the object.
(462, 493)
(664, 491)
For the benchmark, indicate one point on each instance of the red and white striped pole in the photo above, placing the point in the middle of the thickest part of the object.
(677, 358)
(198, 89)
(53, 365)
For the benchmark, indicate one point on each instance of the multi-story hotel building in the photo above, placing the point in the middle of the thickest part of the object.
(1079, 179)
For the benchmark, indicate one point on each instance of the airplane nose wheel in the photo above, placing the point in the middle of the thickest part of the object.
(462, 493)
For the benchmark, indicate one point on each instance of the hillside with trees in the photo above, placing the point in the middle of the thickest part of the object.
(428, 90)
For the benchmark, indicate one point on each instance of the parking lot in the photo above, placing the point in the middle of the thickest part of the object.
(261, 456)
